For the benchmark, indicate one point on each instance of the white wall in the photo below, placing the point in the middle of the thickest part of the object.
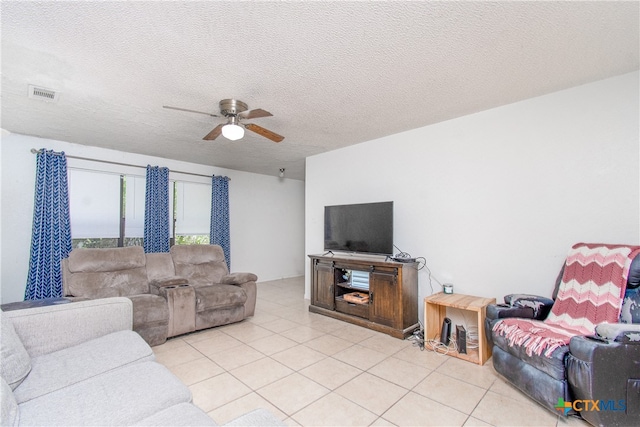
(494, 200)
(266, 213)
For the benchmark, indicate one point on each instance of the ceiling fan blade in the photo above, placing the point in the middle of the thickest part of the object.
(255, 114)
(189, 111)
(264, 132)
(214, 133)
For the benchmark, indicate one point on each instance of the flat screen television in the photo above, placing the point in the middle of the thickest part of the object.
(364, 228)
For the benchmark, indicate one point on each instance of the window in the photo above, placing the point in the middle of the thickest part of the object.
(134, 195)
(94, 208)
(107, 210)
(192, 213)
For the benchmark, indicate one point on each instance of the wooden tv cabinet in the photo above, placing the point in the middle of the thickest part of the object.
(392, 307)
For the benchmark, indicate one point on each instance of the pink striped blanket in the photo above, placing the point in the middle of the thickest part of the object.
(590, 293)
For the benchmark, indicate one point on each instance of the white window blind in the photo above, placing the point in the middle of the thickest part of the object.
(193, 208)
(94, 204)
(135, 188)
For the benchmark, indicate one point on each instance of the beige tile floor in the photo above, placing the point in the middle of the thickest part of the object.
(312, 370)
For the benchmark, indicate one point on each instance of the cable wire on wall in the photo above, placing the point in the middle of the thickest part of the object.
(422, 263)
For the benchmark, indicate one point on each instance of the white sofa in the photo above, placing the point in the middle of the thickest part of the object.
(81, 364)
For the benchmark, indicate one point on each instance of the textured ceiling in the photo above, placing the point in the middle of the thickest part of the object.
(332, 73)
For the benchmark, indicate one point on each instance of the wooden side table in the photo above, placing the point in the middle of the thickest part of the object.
(435, 310)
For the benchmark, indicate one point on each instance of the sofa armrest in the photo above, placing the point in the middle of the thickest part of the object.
(47, 329)
(501, 311)
(592, 376)
(516, 305)
(594, 351)
(496, 312)
(540, 306)
(238, 278)
(584, 347)
(168, 281)
(620, 332)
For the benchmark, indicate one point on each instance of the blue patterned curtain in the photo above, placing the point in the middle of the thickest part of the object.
(51, 232)
(156, 210)
(219, 233)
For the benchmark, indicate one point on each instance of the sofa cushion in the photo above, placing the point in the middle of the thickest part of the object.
(123, 396)
(182, 414)
(553, 366)
(93, 260)
(48, 329)
(72, 365)
(197, 254)
(9, 410)
(159, 265)
(201, 274)
(103, 273)
(16, 362)
(219, 296)
(120, 283)
(201, 264)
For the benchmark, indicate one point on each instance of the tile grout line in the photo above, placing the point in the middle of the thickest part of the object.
(298, 314)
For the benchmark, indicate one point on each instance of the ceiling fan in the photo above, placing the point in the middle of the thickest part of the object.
(233, 129)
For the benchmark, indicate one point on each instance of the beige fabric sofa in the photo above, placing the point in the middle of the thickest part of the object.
(81, 364)
(173, 293)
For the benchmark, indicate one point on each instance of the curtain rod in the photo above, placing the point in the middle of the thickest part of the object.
(34, 151)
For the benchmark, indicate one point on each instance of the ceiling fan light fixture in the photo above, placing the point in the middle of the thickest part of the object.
(232, 132)
(234, 110)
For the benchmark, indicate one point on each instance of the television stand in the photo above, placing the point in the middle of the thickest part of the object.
(387, 291)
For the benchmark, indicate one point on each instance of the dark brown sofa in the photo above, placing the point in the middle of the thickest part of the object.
(173, 293)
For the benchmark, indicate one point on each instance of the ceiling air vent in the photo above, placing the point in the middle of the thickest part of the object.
(43, 94)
